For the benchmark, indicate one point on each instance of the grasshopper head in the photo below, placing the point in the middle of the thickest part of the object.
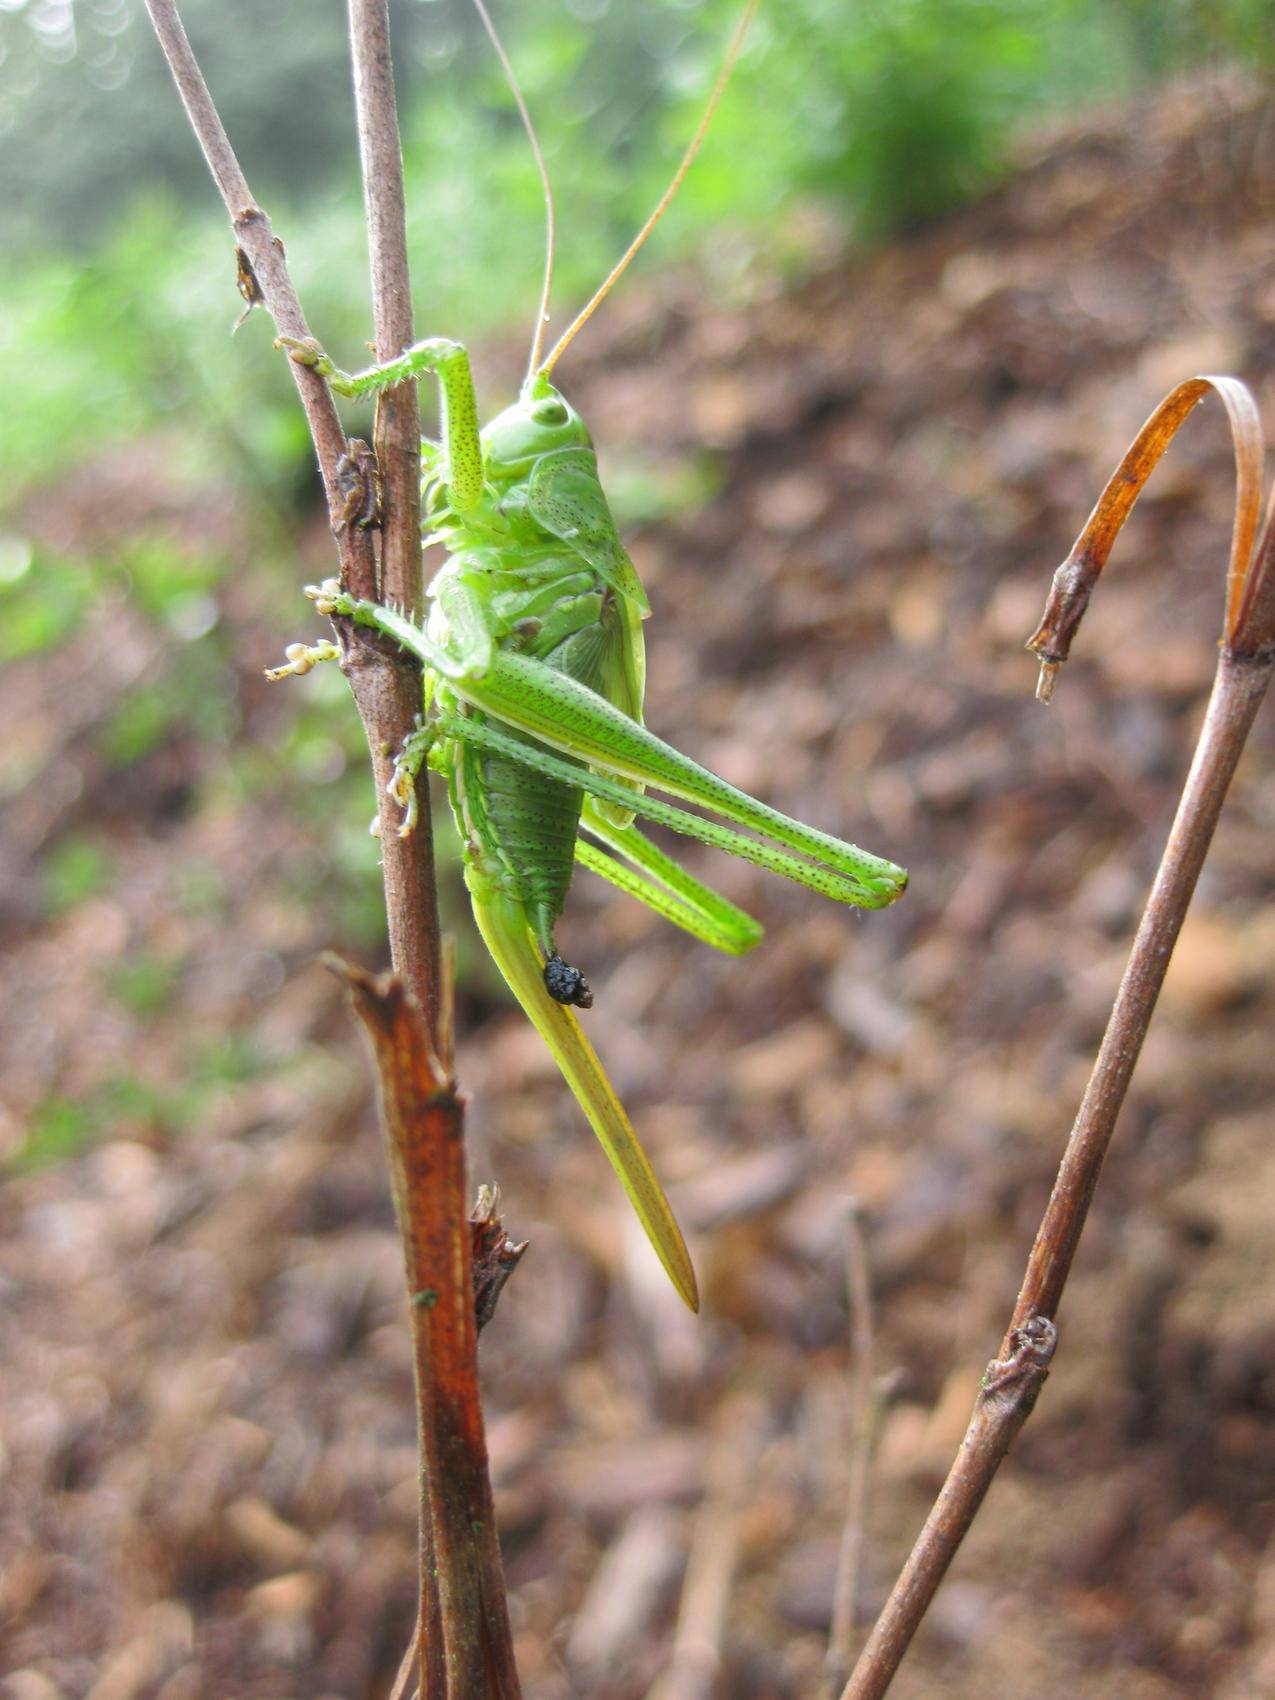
(538, 422)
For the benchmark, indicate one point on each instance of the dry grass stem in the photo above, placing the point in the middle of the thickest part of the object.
(695, 1659)
(863, 1421)
(1012, 1383)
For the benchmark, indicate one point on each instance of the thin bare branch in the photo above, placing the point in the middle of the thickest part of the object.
(265, 254)
(385, 681)
(387, 684)
(1245, 665)
(1005, 1401)
(398, 426)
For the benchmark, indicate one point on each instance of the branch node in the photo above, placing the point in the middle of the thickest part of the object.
(495, 1255)
(1031, 1348)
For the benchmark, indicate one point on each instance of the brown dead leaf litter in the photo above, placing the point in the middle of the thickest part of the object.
(205, 1404)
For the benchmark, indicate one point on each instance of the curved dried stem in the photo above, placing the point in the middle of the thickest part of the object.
(1074, 581)
(1013, 1381)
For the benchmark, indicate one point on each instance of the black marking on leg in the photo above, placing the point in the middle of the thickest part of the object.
(566, 984)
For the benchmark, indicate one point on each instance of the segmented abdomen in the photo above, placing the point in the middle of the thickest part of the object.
(526, 825)
(519, 825)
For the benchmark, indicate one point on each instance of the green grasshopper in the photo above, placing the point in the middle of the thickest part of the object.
(534, 674)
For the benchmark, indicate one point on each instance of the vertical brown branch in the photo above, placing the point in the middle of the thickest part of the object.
(424, 1126)
(1012, 1383)
(466, 1643)
(387, 683)
(269, 266)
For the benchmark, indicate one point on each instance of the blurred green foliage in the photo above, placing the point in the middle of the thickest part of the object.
(845, 115)
(76, 868)
(59, 1126)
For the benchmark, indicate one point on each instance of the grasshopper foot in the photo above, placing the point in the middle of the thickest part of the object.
(301, 657)
(402, 782)
(329, 598)
(566, 984)
(306, 352)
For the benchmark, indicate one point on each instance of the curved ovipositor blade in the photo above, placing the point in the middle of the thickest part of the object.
(565, 496)
(507, 936)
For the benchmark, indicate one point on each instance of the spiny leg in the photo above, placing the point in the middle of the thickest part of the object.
(645, 873)
(827, 881)
(663, 885)
(569, 717)
(450, 362)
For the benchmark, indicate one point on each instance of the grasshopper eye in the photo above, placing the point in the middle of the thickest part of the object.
(549, 412)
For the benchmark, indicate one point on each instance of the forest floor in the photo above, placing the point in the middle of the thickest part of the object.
(208, 1463)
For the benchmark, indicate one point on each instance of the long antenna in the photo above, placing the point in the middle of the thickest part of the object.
(542, 315)
(622, 264)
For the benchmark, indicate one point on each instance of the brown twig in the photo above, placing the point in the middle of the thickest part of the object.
(424, 1126)
(494, 1257)
(1012, 1382)
(463, 1633)
(264, 253)
(386, 681)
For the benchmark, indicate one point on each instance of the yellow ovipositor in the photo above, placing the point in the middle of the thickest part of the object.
(503, 925)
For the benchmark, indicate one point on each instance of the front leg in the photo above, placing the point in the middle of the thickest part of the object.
(450, 363)
(330, 599)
